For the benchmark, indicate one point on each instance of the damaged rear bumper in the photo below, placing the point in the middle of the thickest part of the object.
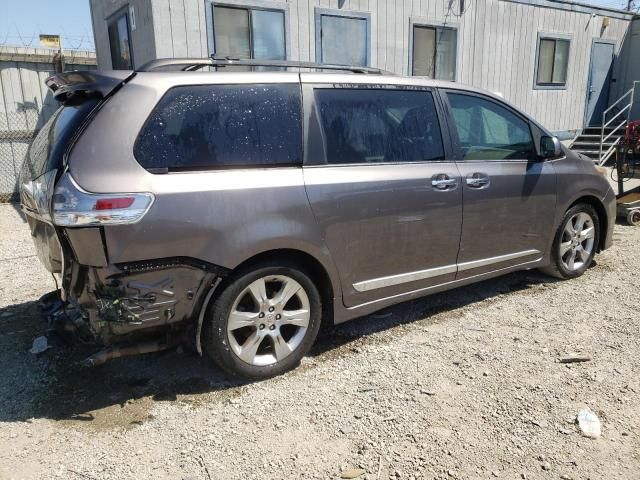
(109, 303)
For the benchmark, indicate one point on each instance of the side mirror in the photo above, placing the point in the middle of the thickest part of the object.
(550, 147)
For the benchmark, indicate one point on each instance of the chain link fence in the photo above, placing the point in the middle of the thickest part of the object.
(17, 130)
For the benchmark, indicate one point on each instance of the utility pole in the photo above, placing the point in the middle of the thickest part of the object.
(629, 5)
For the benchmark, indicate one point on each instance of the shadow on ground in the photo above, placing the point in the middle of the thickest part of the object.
(121, 393)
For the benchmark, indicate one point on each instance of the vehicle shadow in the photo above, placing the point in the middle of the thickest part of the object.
(53, 385)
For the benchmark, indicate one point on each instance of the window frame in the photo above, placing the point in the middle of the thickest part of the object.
(314, 152)
(455, 139)
(263, 5)
(329, 12)
(113, 20)
(425, 23)
(555, 37)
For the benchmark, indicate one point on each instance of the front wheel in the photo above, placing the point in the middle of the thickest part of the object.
(575, 243)
(263, 322)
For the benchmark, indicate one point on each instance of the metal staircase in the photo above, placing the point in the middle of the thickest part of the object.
(590, 141)
(600, 143)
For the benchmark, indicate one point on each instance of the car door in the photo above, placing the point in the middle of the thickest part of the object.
(386, 200)
(509, 195)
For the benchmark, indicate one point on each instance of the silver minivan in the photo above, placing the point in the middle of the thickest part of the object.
(240, 210)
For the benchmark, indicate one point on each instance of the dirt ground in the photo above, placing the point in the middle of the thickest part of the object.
(461, 385)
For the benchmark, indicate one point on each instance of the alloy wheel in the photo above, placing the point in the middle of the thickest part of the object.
(268, 320)
(578, 240)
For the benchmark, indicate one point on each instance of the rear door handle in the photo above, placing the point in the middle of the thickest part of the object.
(442, 181)
(477, 180)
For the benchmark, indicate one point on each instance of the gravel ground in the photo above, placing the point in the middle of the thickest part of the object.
(465, 384)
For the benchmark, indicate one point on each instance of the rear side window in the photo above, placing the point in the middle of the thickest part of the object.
(47, 150)
(215, 126)
(374, 125)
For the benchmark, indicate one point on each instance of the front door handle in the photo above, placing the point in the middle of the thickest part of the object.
(477, 180)
(442, 181)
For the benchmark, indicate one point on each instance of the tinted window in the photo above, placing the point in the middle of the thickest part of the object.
(369, 126)
(119, 43)
(48, 147)
(210, 126)
(488, 131)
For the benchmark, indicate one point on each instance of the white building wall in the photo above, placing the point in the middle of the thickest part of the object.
(497, 40)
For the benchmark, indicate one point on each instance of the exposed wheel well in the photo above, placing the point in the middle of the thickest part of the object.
(307, 263)
(602, 216)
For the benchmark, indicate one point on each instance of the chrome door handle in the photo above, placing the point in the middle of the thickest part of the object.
(477, 180)
(443, 182)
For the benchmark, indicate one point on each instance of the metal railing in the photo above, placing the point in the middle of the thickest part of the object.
(630, 95)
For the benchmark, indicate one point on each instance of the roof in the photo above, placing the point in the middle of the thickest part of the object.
(581, 8)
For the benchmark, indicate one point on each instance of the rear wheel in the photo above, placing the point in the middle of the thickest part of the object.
(575, 243)
(263, 322)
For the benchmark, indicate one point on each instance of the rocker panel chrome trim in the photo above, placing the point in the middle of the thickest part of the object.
(398, 279)
(392, 280)
(491, 260)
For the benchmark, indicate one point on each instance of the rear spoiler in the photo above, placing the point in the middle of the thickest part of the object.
(69, 86)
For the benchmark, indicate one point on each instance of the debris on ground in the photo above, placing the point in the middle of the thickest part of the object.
(352, 473)
(589, 423)
(575, 359)
(40, 345)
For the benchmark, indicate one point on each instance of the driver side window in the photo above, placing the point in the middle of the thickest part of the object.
(488, 131)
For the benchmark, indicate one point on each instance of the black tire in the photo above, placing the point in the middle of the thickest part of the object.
(557, 268)
(633, 218)
(215, 338)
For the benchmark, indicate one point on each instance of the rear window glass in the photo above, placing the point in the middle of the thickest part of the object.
(47, 150)
(213, 126)
(373, 125)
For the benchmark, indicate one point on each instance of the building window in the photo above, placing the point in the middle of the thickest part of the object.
(434, 52)
(342, 38)
(249, 33)
(553, 62)
(121, 58)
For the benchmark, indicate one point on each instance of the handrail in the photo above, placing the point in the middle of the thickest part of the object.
(618, 101)
(617, 114)
(628, 107)
(612, 132)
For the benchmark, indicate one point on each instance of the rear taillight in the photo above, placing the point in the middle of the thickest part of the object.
(73, 207)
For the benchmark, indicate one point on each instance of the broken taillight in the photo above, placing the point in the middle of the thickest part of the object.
(73, 207)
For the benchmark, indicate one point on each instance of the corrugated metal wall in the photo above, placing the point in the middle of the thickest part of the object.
(26, 104)
(497, 40)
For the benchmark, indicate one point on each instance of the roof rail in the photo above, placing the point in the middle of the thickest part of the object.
(193, 64)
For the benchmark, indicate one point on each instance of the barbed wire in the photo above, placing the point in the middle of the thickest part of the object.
(15, 37)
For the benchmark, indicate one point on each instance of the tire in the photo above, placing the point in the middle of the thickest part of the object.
(580, 247)
(261, 339)
(633, 218)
